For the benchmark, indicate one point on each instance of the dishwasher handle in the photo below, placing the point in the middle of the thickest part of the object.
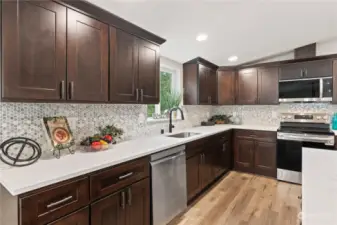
(169, 158)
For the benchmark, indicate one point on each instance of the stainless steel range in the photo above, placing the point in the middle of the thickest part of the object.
(297, 131)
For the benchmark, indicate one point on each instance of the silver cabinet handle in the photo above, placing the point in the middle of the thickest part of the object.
(129, 196)
(125, 176)
(71, 89)
(62, 90)
(137, 94)
(123, 200)
(53, 204)
(142, 95)
(302, 73)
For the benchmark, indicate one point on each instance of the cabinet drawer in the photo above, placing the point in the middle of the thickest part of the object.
(195, 147)
(50, 204)
(267, 136)
(108, 181)
(80, 217)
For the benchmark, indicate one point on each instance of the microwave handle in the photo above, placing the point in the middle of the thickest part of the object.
(321, 86)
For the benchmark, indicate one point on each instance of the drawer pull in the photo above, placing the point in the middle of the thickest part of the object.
(53, 204)
(125, 176)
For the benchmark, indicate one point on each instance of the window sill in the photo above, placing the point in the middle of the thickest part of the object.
(165, 120)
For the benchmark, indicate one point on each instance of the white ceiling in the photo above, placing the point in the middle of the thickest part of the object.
(250, 29)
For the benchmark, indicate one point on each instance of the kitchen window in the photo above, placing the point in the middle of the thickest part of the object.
(170, 95)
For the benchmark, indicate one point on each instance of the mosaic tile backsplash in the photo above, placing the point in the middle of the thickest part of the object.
(269, 114)
(25, 119)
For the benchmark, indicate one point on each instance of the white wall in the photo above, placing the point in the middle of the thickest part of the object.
(326, 47)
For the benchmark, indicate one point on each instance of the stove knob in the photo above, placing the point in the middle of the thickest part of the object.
(289, 117)
(318, 117)
(325, 117)
(283, 117)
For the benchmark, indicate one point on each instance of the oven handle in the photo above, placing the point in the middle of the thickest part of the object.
(324, 140)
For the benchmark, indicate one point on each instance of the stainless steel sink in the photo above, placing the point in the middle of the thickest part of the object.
(183, 135)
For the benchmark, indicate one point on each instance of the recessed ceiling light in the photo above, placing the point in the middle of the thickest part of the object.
(202, 37)
(233, 58)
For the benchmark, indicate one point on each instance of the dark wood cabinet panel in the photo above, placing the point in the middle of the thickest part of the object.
(80, 217)
(203, 85)
(320, 68)
(49, 204)
(123, 67)
(206, 170)
(138, 203)
(268, 86)
(87, 65)
(247, 87)
(192, 176)
(212, 87)
(226, 87)
(109, 210)
(291, 71)
(33, 50)
(265, 158)
(190, 82)
(148, 72)
(244, 155)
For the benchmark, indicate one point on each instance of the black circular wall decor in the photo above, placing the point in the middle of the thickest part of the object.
(20, 151)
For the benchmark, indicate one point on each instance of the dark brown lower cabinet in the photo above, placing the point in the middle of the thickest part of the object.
(192, 175)
(255, 152)
(205, 163)
(265, 158)
(129, 206)
(80, 217)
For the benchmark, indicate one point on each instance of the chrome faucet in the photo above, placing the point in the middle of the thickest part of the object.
(182, 117)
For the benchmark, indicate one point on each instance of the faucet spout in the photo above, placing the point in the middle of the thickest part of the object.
(172, 110)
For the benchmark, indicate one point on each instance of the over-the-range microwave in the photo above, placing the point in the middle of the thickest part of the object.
(306, 90)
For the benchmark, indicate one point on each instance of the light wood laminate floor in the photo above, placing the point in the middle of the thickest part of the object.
(244, 199)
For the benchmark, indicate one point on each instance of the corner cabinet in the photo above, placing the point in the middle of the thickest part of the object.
(134, 69)
(200, 82)
(53, 53)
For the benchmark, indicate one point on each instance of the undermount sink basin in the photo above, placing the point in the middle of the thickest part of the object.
(183, 135)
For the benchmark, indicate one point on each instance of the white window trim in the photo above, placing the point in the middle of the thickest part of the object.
(176, 85)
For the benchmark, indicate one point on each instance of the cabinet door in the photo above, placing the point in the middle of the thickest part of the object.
(244, 155)
(138, 203)
(247, 87)
(212, 87)
(265, 158)
(109, 210)
(192, 175)
(226, 87)
(88, 64)
(148, 72)
(33, 50)
(203, 85)
(123, 66)
(206, 167)
(320, 68)
(80, 217)
(291, 71)
(268, 86)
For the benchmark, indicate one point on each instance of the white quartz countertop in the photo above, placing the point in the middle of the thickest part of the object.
(18, 180)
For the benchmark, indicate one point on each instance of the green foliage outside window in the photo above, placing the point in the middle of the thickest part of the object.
(165, 89)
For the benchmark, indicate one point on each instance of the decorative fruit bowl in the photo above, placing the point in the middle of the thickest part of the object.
(102, 141)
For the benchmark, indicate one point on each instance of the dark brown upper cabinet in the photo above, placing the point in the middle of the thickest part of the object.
(148, 72)
(134, 69)
(123, 66)
(33, 50)
(268, 92)
(226, 87)
(200, 82)
(247, 87)
(309, 69)
(88, 55)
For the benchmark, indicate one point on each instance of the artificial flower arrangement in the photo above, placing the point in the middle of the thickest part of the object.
(107, 136)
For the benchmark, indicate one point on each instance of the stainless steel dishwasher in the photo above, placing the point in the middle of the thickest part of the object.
(169, 194)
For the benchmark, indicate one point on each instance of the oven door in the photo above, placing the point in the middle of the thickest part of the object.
(304, 90)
